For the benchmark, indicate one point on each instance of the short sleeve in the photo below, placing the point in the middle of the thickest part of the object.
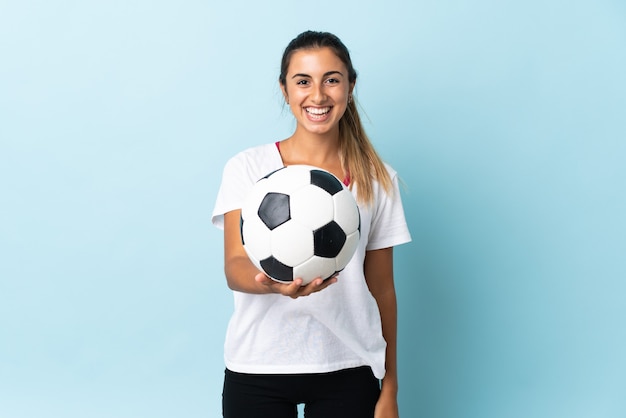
(389, 227)
(231, 193)
(238, 177)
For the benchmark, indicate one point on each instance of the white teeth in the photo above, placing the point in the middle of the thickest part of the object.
(317, 111)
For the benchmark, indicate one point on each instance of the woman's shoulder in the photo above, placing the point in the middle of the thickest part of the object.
(254, 162)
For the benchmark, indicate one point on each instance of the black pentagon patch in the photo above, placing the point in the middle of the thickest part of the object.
(277, 270)
(326, 181)
(274, 210)
(328, 240)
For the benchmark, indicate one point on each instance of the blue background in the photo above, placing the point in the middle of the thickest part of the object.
(506, 121)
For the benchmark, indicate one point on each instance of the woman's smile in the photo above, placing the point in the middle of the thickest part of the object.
(317, 114)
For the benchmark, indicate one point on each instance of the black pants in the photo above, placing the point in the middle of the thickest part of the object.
(347, 393)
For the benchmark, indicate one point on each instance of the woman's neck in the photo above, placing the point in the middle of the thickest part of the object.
(319, 151)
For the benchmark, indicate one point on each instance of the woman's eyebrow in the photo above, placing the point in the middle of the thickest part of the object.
(326, 74)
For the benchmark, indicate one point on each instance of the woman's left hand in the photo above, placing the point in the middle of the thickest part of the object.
(295, 289)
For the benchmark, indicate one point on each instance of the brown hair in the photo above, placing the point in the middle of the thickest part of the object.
(358, 156)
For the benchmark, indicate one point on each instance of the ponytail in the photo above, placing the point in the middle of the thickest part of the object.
(359, 158)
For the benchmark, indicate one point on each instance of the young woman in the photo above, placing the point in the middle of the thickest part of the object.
(329, 350)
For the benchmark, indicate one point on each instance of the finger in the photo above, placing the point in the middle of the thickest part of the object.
(292, 289)
(316, 285)
(329, 281)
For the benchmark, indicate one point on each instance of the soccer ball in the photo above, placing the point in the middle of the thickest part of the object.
(300, 221)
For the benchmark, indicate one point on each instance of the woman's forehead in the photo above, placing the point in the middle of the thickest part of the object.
(315, 60)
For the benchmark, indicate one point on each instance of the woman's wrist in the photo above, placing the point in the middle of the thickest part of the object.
(389, 386)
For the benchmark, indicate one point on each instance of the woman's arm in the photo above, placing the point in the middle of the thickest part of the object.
(243, 276)
(379, 276)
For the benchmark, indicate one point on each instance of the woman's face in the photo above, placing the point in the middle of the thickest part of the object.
(317, 89)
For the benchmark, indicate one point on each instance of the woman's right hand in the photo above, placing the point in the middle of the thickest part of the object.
(240, 270)
(295, 289)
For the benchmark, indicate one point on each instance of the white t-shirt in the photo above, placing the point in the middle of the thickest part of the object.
(334, 329)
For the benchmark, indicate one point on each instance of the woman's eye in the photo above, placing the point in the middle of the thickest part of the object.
(332, 81)
(302, 82)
